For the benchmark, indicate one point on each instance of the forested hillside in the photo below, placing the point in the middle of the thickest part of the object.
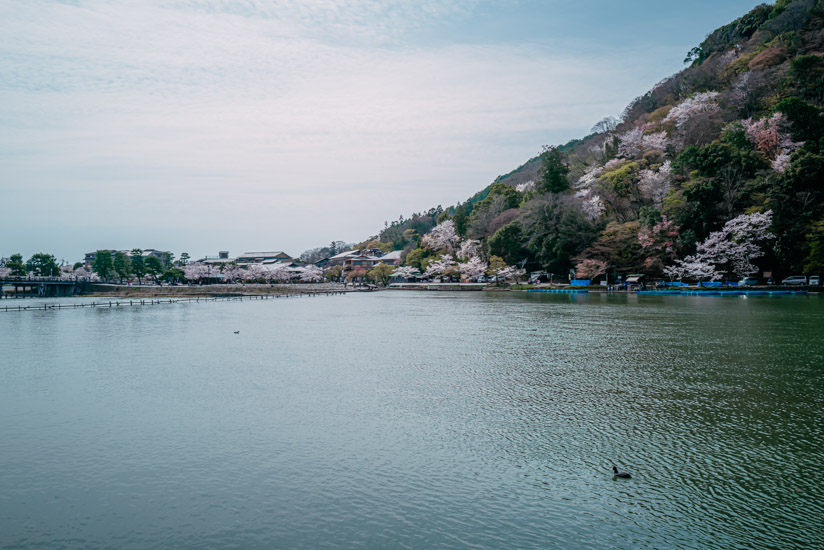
(717, 172)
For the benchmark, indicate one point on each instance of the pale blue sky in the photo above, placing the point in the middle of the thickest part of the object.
(206, 125)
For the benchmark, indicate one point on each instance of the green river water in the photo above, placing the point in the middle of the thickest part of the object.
(416, 420)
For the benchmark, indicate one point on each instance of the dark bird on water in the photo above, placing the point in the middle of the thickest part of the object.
(237, 332)
(616, 473)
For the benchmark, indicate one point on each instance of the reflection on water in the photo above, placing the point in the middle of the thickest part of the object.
(413, 420)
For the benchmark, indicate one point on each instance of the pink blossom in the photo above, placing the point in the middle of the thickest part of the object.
(655, 185)
(771, 136)
(311, 273)
(630, 145)
(589, 177)
(442, 237)
(475, 267)
(407, 272)
(590, 268)
(591, 203)
(468, 248)
(655, 140)
(730, 250)
(700, 103)
(525, 186)
(438, 267)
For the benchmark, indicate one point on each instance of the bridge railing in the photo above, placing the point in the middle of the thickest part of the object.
(25, 280)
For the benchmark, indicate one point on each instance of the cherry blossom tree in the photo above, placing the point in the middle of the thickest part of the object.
(659, 243)
(442, 237)
(440, 266)
(468, 248)
(4, 272)
(655, 140)
(474, 268)
(196, 271)
(510, 273)
(311, 274)
(771, 136)
(590, 268)
(699, 104)
(655, 184)
(694, 268)
(279, 272)
(407, 272)
(232, 272)
(82, 272)
(254, 272)
(590, 176)
(630, 143)
(634, 142)
(525, 186)
(781, 162)
(592, 204)
(728, 251)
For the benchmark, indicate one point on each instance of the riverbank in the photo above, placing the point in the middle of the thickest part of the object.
(186, 291)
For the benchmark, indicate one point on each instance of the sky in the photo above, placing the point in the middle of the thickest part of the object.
(260, 125)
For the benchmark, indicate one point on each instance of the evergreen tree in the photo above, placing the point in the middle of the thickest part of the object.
(553, 171)
(138, 264)
(102, 264)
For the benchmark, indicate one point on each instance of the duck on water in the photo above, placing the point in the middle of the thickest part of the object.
(616, 473)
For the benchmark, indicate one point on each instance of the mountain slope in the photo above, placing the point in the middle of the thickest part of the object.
(718, 171)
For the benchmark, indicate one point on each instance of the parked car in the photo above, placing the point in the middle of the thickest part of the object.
(538, 277)
(815, 280)
(795, 280)
(748, 281)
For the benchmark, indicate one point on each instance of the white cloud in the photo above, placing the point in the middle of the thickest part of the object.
(278, 115)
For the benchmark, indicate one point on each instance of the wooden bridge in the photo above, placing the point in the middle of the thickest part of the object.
(157, 301)
(50, 287)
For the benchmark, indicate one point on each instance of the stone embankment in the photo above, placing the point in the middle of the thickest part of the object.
(183, 291)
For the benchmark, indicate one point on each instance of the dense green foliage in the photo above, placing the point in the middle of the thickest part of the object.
(43, 265)
(553, 172)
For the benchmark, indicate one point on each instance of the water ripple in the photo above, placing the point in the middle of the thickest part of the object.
(416, 420)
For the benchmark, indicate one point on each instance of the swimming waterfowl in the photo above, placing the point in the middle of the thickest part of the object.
(616, 473)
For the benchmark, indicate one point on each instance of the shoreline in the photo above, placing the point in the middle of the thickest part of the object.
(99, 290)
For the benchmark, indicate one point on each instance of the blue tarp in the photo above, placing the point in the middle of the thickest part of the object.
(579, 282)
(676, 283)
(561, 290)
(723, 292)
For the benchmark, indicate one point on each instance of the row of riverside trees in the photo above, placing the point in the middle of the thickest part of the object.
(122, 266)
(39, 265)
(106, 266)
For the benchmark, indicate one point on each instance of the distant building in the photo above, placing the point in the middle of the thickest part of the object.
(340, 259)
(392, 258)
(260, 257)
(221, 258)
(364, 258)
(361, 261)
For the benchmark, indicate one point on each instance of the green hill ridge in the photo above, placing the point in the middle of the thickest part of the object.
(715, 173)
